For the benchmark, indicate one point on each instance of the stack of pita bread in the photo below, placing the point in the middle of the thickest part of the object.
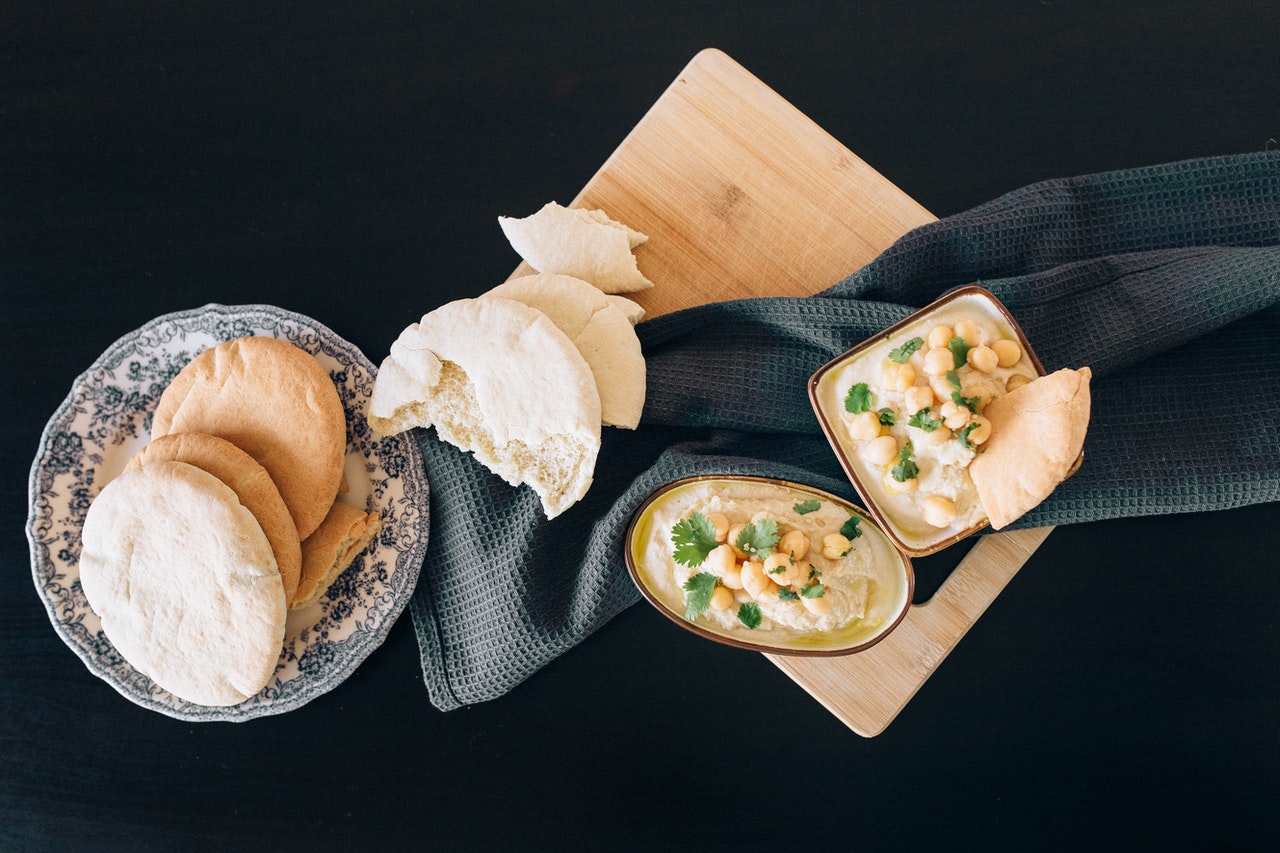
(525, 375)
(225, 521)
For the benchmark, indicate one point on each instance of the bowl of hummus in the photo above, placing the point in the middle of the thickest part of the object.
(768, 565)
(906, 414)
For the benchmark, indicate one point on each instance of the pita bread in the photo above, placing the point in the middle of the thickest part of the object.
(345, 533)
(600, 331)
(1037, 433)
(586, 244)
(275, 402)
(249, 480)
(498, 379)
(185, 583)
(632, 309)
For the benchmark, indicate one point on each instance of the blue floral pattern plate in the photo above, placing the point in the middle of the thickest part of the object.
(107, 418)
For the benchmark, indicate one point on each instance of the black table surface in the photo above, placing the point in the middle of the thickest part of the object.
(348, 161)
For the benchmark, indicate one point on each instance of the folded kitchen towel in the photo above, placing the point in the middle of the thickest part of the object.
(1165, 280)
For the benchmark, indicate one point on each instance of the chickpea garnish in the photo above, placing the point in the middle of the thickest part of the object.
(938, 511)
(938, 361)
(880, 451)
(940, 336)
(1007, 351)
(982, 358)
(898, 377)
(864, 426)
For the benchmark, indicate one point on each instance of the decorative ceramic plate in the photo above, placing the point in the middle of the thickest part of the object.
(107, 418)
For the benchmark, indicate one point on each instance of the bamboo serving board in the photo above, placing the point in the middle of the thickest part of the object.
(742, 195)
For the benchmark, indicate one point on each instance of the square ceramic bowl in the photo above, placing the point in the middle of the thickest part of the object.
(822, 604)
(869, 402)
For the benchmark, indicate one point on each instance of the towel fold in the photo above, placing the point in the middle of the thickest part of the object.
(1165, 280)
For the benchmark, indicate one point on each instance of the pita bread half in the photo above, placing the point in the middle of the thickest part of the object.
(275, 402)
(586, 244)
(249, 480)
(1037, 433)
(496, 378)
(600, 331)
(343, 535)
(185, 583)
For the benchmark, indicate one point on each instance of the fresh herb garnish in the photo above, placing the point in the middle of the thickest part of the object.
(963, 435)
(699, 589)
(923, 420)
(694, 538)
(850, 529)
(749, 615)
(757, 537)
(905, 469)
(806, 507)
(902, 353)
(858, 399)
(970, 403)
(787, 595)
(959, 351)
(813, 589)
(888, 417)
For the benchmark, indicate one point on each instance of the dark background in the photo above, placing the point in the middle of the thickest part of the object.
(348, 161)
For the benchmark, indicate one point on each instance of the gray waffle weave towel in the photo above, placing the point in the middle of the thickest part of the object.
(1165, 280)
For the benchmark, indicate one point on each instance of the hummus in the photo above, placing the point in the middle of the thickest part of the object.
(821, 587)
(907, 421)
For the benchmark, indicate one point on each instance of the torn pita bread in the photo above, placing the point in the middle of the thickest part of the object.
(185, 583)
(586, 244)
(633, 310)
(344, 534)
(599, 330)
(1037, 433)
(496, 378)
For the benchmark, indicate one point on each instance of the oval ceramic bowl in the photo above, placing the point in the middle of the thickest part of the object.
(653, 569)
(898, 516)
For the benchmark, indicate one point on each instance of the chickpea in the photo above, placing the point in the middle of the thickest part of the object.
(898, 377)
(754, 580)
(954, 416)
(940, 336)
(770, 591)
(721, 598)
(880, 451)
(864, 426)
(794, 543)
(980, 433)
(732, 578)
(731, 537)
(939, 436)
(938, 361)
(835, 545)
(720, 560)
(982, 359)
(938, 510)
(816, 606)
(720, 524)
(905, 487)
(970, 332)
(1007, 351)
(783, 570)
(918, 397)
(1016, 381)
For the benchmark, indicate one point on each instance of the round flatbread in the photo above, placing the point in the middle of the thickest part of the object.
(275, 402)
(1037, 433)
(600, 331)
(185, 583)
(343, 535)
(498, 379)
(251, 483)
(583, 243)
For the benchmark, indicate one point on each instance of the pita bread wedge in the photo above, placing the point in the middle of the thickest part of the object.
(275, 402)
(586, 244)
(343, 535)
(185, 583)
(632, 309)
(600, 331)
(249, 480)
(497, 379)
(1037, 433)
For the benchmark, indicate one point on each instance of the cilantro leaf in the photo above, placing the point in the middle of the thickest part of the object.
(905, 469)
(963, 435)
(902, 353)
(694, 538)
(757, 537)
(970, 403)
(850, 529)
(888, 417)
(749, 615)
(923, 420)
(699, 589)
(813, 590)
(959, 351)
(806, 507)
(785, 594)
(858, 399)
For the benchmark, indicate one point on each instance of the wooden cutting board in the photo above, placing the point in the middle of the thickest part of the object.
(742, 195)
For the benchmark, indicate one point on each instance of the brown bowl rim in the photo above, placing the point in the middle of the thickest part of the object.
(708, 634)
(828, 428)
